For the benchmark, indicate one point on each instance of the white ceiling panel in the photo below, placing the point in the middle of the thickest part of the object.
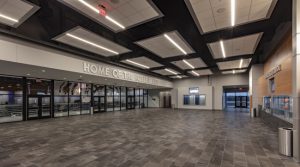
(89, 41)
(202, 72)
(14, 12)
(162, 47)
(236, 46)
(144, 61)
(233, 71)
(164, 72)
(196, 62)
(212, 15)
(233, 64)
(128, 13)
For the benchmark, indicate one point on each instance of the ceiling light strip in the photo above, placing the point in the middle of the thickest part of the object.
(195, 73)
(89, 6)
(233, 7)
(241, 63)
(114, 21)
(222, 49)
(138, 64)
(186, 62)
(170, 71)
(91, 43)
(233, 71)
(178, 76)
(9, 18)
(175, 44)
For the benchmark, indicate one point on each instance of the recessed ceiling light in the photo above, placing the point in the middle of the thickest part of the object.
(65, 78)
(91, 43)
(233, 71)
(241, 63)
(9, 18)
(98, 12)
(80, 76)
(9, 86)
(186, 62)
(170, 71)
(232, 12)
(222, 49)
(2, 87)
(28, 74)
(175, 44)
(138, 64)
(43, 70)
(195, 73)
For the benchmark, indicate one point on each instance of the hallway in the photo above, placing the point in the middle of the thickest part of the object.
(147, 137)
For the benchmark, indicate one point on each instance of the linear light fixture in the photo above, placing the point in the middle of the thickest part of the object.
(222, 49)
(178, 76)
(241, 63)
(170, 71)
(233, 71)
(175, 44)
(195, 73)
(233, 7)
(89, 6)
(91, 43)
(9, 18)
(114, 21)
(138, 64)
(98, 12)
(189, 64)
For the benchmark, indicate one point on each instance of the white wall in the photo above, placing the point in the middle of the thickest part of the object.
(153, 98)
(215, 82)
(206, 90)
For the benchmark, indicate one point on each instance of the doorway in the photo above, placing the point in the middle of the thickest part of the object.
(241, 101)
(38, 107)
(130, 102)
(99, 104)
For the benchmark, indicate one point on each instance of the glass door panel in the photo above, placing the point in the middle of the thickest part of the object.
(33, 107)
(45, 106)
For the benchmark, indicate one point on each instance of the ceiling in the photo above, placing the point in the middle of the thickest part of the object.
(185, 38)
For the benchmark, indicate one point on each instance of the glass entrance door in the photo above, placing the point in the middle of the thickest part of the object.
(241, 101)
(130, 102)
(38, 107)
(99, 104)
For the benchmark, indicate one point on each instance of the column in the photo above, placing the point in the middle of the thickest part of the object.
(296, 79)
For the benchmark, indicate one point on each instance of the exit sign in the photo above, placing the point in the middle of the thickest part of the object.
(102, 12)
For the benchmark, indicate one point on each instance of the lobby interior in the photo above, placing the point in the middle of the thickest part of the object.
(149, 83)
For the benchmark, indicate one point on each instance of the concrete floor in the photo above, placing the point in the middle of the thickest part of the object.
(148, 137)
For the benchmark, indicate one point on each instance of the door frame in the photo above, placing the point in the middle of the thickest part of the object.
(39, 97)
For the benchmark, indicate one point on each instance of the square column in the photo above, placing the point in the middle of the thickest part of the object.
(296, 79)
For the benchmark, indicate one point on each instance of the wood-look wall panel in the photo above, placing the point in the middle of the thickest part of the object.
(283, 79)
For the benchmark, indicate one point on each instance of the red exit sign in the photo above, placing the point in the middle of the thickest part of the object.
(102, 12)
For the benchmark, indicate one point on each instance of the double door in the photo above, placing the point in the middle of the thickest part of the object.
(38, 107)
(130, 102)
(99, 104)
(241, 102)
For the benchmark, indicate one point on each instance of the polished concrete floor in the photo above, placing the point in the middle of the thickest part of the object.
(142, 138)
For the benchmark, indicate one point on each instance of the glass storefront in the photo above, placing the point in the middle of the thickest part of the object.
(31, 98)
(61, 96)
(11, 99)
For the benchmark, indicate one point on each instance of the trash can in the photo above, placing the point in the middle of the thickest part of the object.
(92, 110)
(254, 113)
(285, 141)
